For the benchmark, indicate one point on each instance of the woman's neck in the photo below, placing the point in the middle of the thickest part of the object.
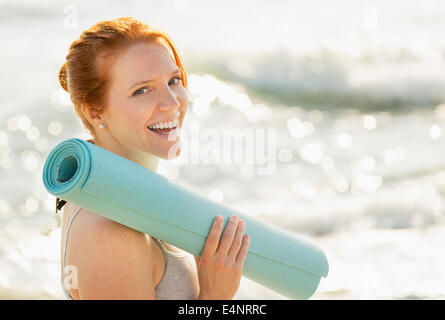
(146, 160)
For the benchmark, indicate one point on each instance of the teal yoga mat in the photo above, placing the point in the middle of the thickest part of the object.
(122, 190)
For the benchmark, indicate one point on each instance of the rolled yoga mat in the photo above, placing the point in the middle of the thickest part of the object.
(124, 191)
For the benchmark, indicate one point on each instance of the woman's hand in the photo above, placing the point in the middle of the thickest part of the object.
(221, 263)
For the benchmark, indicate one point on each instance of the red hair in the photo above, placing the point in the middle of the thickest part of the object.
(85, 77)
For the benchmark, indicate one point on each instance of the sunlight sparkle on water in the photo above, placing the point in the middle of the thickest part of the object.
(41, 144)
(304, 190)
(216, 195)
(5, 150)
(312, 153)
(327, 163)
(5, 209)
(5, 158)
(247, 172)
(31, 205)
(232, 96)
(339, 182)
(62, 97)
(296, 128)
(55, 128)
(366, 163)
(390, 157)
(6, 162)
(33, 133)
(369, 122)
(285, 155)
(293, 123)
(239, 100)
(343, 140)
(168, 169)
(49, 202)
(203, 90)
(435, 132)
(367, 182)
(439, 112)
(30, 159)
(12, 124)
(3, 138)
(308, 128)
(205, 86)
(258, 112)
(201, 106)
(24, 122)
(398, 154)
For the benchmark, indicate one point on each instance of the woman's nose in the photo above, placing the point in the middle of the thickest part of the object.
(169, 100)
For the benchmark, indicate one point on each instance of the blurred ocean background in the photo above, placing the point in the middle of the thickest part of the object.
(354, 90)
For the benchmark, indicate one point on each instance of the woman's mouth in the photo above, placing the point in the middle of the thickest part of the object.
(164, 127)
(163, 131)
(166, 133)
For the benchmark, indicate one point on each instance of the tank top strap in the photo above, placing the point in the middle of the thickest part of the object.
(67, 294)
(160, 244)
(67, 233)
(167, 252)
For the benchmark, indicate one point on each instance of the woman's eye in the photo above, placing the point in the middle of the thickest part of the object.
(139, 91)
(176, 78)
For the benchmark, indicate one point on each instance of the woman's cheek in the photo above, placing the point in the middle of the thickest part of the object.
(183, 92)
(145, 104)
(182, 95)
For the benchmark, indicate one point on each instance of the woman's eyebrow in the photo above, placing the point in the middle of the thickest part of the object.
(147, 81)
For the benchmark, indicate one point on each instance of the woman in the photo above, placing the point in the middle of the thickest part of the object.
(128, 85)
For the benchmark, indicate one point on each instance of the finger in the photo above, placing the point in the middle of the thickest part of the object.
(213, 237)
(237, 241)
(196, 260)
(242, 253)
(227, 237)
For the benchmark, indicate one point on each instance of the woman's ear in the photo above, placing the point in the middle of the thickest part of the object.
(91, 114)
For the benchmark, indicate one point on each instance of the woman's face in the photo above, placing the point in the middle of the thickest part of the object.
(145, 89)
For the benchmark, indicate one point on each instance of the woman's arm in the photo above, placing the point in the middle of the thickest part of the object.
(112, 260)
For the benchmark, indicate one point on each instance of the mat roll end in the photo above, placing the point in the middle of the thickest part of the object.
(66, 167)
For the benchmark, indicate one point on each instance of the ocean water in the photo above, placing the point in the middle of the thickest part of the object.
(344, 102)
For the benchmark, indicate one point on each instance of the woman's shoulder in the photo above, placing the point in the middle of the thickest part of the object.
(98, 235)
(112, 260)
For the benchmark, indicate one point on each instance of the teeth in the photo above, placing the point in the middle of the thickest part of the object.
(164, 125)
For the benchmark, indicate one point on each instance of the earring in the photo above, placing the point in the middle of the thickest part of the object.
(101, 126)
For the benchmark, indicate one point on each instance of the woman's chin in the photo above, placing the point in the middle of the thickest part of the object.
(168, 147)
(171, 153)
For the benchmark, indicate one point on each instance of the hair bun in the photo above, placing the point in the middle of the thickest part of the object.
(63, 77)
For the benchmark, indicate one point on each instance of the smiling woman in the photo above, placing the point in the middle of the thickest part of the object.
(131, 74)
(96, 50)
(128, 85)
